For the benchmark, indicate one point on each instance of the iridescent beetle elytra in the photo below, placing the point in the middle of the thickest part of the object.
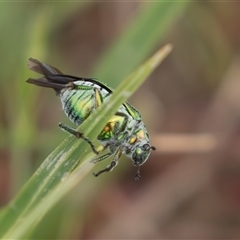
(124, 133)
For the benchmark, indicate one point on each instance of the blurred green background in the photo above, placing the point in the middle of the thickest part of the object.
(190, 186)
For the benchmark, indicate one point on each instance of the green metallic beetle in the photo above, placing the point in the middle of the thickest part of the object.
(125, 132)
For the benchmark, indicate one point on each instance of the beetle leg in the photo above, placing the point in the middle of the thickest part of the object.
(98, 98)
(112, 164)
(77, 135)
(103, 157)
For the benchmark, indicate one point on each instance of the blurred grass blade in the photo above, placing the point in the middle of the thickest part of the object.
(144, 34)
(54, 178)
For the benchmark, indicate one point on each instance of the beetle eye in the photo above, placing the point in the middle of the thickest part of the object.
(145, 147)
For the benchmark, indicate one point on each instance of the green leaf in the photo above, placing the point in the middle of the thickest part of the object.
(55, 177)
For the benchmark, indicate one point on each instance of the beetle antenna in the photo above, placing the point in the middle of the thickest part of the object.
(153, 148)
(138, 175)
